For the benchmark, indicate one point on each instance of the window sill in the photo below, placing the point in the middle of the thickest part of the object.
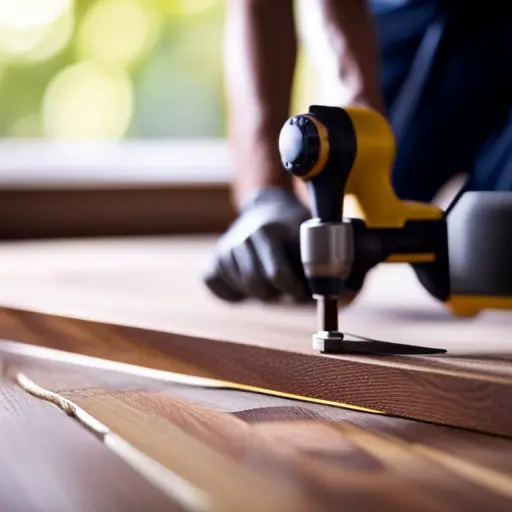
(61, 189)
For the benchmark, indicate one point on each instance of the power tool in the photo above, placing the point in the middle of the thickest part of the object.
(460, 256)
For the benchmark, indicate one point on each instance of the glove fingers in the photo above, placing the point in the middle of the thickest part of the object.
(278, 266)
(217, 279)
(251, 275)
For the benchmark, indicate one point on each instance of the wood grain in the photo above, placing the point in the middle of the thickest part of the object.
(469, 400)
(292, 455)
(487, 451)
(50, 463)
(150, 309)
(155, 283)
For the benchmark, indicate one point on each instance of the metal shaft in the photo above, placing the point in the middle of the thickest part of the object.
(327, 311)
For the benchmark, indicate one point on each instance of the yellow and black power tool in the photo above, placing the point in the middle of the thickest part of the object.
(460, 256)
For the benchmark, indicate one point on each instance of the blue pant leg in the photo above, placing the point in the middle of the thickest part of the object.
(462, 101)
(492, 168)
(400, 27)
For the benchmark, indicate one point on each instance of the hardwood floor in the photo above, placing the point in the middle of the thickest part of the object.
(254, 452)
(50, 463)
(155, 284)
(257, 436)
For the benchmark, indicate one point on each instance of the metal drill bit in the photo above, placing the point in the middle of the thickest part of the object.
(327, 311)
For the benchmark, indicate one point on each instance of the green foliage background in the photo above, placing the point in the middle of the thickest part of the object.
(177, 84)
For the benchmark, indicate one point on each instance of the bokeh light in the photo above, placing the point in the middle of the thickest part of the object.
(88, 100)
(33, 31)
(111, 68)
(26, 14)
(118, 30)
(15, 42)
(55, 38)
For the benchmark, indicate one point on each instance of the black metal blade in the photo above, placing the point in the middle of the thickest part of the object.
(351, 344)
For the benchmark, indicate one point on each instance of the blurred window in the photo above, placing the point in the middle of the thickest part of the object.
(110, 69)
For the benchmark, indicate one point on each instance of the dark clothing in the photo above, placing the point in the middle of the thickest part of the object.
(447, 81)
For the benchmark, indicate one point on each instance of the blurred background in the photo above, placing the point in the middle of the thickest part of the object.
(111, 69)
(113, 116)
(115, 69)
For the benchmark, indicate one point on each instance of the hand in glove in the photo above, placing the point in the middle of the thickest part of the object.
(259, 256)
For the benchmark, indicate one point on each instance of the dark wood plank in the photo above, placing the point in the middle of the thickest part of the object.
(85, 212)
(491, 452)
(395, 386)
(50, 463)
(156, 284)
(307, 456)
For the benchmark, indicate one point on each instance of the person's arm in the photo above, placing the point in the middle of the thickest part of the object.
(259, 255)
(260, 55)
(351, 38)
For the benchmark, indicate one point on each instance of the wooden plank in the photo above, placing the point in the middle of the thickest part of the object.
(146, 210)
(50, 463)
(73, 378)
(468, 400)
(303, 456)
(156, 284)
(81, 376)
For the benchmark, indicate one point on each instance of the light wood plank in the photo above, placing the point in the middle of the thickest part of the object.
(49, 463)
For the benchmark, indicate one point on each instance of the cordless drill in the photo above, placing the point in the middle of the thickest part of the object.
(351, 151)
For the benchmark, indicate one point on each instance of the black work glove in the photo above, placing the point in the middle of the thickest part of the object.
(259, 256)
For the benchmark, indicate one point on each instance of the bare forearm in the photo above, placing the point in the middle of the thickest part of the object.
(352, 39)
(260, 54)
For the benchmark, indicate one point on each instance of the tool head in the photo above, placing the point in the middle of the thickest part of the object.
(320, 148)
(327, 253)
(304, 146)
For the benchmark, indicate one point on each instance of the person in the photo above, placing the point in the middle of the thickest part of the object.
(440, 71)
